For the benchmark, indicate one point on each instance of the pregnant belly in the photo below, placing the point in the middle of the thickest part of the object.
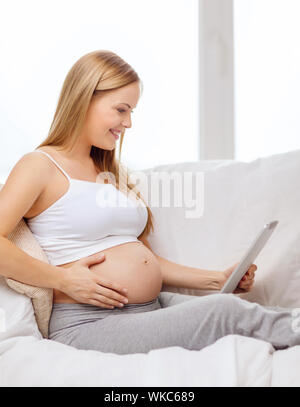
(133, 266)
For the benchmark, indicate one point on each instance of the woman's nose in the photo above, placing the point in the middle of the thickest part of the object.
(127, 123)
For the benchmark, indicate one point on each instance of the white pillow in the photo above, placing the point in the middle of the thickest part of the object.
(16, 316)
(239, 198)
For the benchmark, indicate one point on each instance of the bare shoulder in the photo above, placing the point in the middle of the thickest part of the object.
(32, 164)
(25, 183)
(37, 164)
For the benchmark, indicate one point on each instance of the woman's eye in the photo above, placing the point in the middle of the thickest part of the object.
(122, 111)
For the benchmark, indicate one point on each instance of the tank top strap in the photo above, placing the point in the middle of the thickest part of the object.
(52, 159)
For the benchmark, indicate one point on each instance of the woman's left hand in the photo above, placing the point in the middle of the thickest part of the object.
(246, 283)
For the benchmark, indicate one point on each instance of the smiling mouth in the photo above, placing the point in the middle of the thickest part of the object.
(116, 136)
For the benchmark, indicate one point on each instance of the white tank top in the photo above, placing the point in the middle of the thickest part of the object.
(88, 218)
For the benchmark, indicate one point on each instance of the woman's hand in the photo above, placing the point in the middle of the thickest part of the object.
(246, 283)
(87, 287)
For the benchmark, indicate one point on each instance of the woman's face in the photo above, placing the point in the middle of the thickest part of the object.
(110, 110)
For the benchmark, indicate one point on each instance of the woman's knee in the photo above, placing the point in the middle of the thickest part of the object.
(226, 302)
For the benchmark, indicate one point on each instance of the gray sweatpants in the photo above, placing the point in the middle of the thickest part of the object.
(171, 319)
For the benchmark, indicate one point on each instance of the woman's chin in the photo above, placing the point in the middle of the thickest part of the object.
(106, 147)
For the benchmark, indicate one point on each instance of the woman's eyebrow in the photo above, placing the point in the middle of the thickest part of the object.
(126, 104)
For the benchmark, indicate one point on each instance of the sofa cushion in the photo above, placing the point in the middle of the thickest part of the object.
(237, 199)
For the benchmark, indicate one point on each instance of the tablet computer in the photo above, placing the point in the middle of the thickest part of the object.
(248, 259)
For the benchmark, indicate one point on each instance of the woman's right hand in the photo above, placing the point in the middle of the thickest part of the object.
(87, 287)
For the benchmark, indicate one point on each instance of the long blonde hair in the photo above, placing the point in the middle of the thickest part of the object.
(92, 74)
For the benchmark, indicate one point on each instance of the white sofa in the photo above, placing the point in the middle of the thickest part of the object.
(238, 199)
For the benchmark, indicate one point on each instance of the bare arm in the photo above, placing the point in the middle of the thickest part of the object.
(178, 275)
(190, 277)
(20, 266)
(23, 186)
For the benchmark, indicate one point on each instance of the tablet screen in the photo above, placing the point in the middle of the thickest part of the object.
(254, 250)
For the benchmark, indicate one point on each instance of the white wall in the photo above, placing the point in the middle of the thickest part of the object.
(41, 40)
(267, 80)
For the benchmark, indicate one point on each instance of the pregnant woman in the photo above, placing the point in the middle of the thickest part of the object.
(93, 226)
